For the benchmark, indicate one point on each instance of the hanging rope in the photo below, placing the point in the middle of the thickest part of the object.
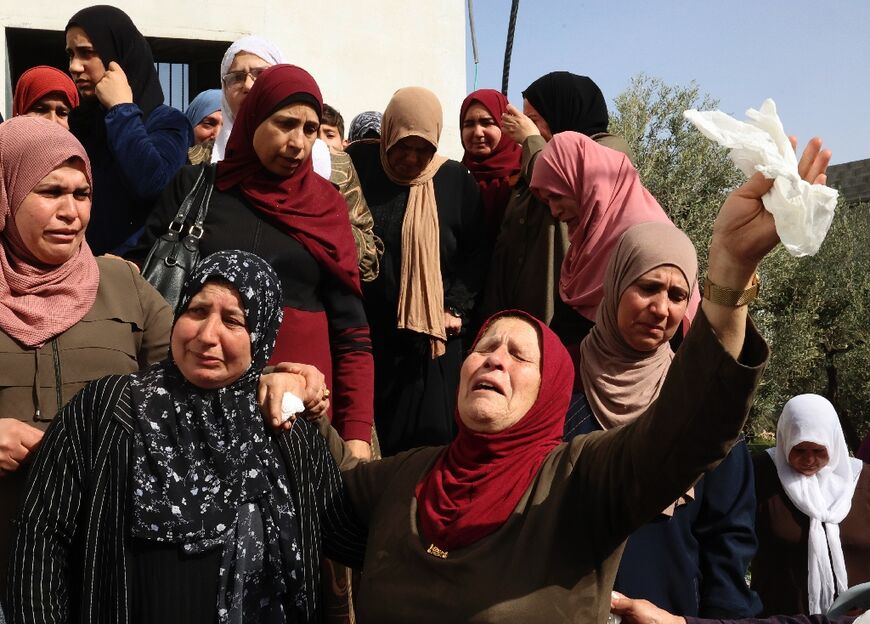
(473, 39)
(509, 46)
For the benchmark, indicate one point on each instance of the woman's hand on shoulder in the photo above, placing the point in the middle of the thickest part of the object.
(303, 380)
(17, 441)
(113, 88)
(744, 231)
(517, 124)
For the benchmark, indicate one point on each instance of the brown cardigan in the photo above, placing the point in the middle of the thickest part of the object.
(126, 329)
(541, 565)
(779, 570)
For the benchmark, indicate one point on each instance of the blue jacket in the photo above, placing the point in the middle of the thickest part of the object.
(693, 563)
(132, 163)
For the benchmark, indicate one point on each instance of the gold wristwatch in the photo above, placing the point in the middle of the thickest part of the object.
(730, 297)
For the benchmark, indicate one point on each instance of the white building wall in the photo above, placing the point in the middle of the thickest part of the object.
(360, 51)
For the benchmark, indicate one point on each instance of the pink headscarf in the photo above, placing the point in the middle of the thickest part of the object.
(38, 302)
(610, 199)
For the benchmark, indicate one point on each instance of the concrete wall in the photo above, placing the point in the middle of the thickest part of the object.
(360, 53)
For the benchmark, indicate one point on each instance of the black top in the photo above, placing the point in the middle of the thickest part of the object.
(232, 224)
(68, 560)
(169, 586)
(464, 250)
(339, 347)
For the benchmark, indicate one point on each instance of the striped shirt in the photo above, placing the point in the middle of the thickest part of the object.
(69, 560)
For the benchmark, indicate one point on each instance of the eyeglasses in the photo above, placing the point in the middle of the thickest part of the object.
(236, 79)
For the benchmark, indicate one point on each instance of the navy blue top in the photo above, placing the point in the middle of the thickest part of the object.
(132, 163)
(693, 563)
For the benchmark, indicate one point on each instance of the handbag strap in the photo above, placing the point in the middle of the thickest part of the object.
(180, 217)
(196, 229)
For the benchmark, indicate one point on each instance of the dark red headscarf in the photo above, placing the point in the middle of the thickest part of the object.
(493, 173)
(304, 205)
(39, 81)
(480, 478)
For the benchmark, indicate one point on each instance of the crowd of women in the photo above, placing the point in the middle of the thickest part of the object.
(516, 394)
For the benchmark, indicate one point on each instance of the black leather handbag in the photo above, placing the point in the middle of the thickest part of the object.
(173, 256)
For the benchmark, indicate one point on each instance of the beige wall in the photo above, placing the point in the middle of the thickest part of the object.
(360, 54)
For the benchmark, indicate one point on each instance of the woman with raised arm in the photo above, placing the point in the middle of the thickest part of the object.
(509, 524)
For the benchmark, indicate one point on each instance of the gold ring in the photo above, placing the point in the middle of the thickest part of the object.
(325, 392)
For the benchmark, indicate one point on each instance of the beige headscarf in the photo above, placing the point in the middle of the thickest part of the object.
(415, 111)
(620, 383)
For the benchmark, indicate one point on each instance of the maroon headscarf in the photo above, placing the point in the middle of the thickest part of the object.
(480, 478)
(305, 205)
(493, 173)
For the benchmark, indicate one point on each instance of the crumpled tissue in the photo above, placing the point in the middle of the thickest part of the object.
(290, 406)
(802, 211)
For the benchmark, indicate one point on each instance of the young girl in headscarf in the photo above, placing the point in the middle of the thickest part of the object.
(135, 142)
(813, 516)
(426, 212)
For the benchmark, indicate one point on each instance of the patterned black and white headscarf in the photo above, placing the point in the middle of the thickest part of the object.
(363, 124)
(204, 471)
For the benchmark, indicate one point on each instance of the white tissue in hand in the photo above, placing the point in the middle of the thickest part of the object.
(290, 406)
(802, 211)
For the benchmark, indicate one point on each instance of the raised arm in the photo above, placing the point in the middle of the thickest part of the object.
(633, 472)
(150, 151)
(744, 232)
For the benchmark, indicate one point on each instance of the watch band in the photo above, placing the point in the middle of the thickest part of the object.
(730, 297)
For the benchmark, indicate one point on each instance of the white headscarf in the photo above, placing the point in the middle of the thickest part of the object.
(825, 497)
(272, 54)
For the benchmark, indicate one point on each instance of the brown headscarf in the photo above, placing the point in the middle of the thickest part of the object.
(415, 111)
(619, 382)
(38, 302)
